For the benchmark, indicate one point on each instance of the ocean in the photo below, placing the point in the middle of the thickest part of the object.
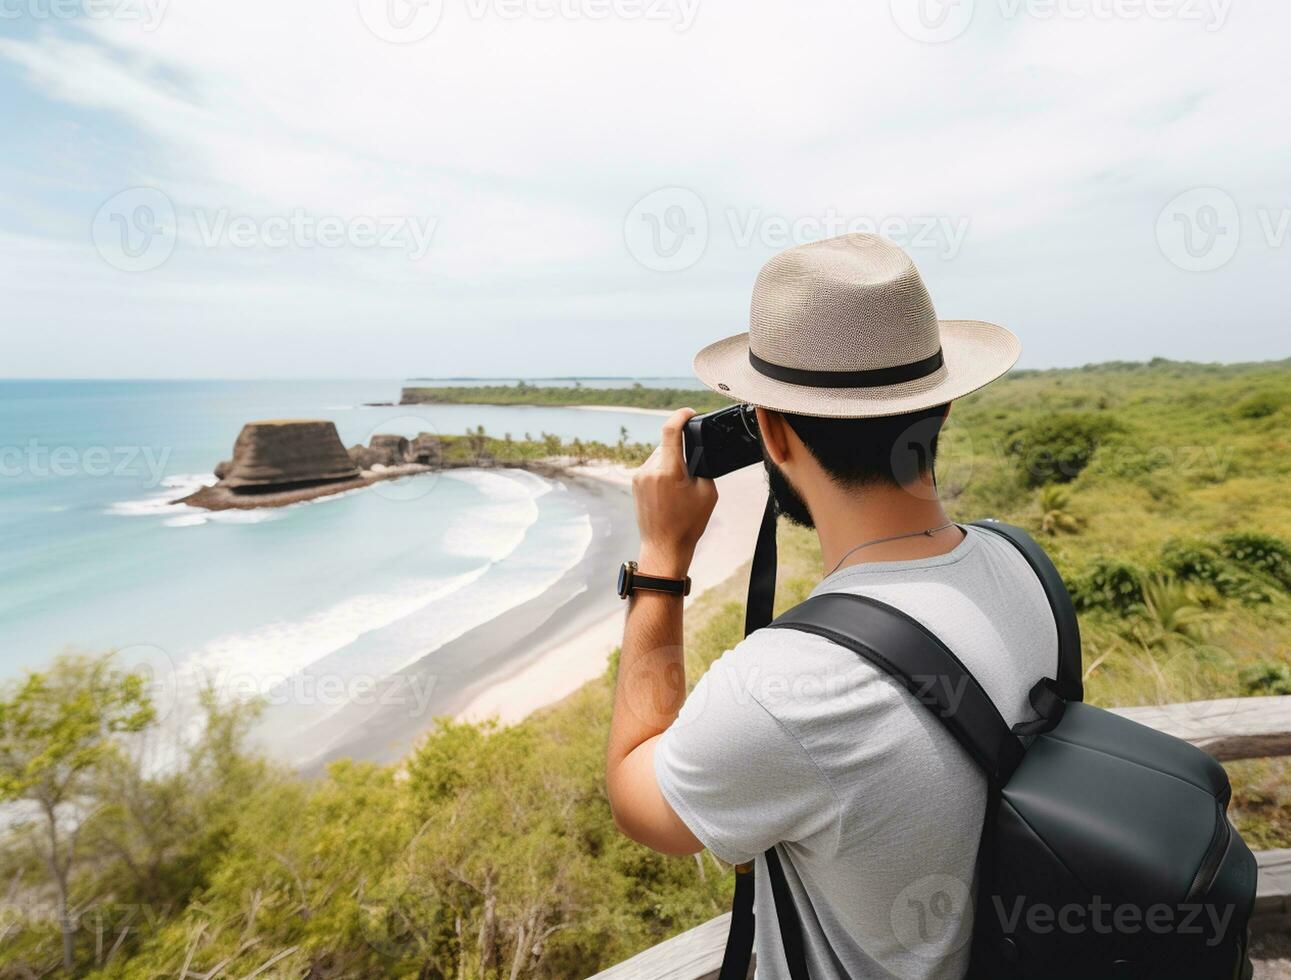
(95, 557)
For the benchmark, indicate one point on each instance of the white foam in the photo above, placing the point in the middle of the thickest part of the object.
(497, 528)
(195, 517)
(253, 661)
(159, 504)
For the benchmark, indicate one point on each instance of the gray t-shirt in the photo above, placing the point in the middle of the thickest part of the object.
(794, 741)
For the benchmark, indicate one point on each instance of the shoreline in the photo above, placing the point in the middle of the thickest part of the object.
(539, 652)
(562, 668)
(631, 409)
(216, 497)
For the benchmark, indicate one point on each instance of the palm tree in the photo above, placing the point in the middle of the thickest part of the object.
(1171, 611)
(1054, 516)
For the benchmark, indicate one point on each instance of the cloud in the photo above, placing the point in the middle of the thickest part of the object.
(1054, 140)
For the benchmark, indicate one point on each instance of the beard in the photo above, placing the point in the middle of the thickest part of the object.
(787, 500)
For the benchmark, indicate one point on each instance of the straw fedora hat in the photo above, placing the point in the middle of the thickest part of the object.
(844, 328)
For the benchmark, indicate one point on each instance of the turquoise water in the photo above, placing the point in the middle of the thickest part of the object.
(95, 558)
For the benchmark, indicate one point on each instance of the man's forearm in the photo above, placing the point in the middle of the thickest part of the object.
(672, 511)
(652, 674)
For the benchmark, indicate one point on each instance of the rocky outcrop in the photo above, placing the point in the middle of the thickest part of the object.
(286, 453)
(362, 457)
(389, 450)
(426, 449)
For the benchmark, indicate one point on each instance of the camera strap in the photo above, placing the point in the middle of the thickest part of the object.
(758, 612)
(760, 608)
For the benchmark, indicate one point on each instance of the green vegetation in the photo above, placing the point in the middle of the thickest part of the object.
(491, 853)
(478, 448)
(522, 393)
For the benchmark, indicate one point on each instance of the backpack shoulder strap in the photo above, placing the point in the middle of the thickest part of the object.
(910, 654)
(905, 650)
(1070, 686)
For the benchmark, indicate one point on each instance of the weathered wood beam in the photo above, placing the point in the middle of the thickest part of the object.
(1234, 728)
(692, 955)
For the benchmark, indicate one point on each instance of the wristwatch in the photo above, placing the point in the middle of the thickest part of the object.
(630, 580)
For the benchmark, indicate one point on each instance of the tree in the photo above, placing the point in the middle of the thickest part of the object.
(58, 730)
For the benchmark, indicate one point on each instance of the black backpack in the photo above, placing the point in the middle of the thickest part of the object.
(1106, 849)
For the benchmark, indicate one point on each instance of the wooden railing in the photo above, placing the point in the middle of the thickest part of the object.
(1236, 728)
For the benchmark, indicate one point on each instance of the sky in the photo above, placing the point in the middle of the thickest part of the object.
(379, 188)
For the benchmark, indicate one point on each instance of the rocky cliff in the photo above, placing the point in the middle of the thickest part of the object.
(286, 453)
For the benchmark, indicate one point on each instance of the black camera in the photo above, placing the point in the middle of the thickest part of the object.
(721, 442)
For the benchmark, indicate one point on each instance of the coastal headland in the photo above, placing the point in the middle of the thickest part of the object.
(279, 462)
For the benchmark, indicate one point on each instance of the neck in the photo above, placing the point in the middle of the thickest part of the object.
(849, 517)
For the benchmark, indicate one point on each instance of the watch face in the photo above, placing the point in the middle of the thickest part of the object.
(623, 580)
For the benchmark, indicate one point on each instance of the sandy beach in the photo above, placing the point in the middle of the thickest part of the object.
(563, 667)
(539, 651)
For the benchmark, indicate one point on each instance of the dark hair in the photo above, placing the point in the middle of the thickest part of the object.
(895, 449)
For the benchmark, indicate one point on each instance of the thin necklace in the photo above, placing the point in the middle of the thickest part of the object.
(896, 537)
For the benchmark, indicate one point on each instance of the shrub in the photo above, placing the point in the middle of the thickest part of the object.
(1260, 553)
(1201, 561)
(1056, 448)
(1171, 611)
(1108, 584)
(1055, 513)
(1267, 678)
(1258, 406)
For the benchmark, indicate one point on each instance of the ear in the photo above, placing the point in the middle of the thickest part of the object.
(775, 435)
(946, 414)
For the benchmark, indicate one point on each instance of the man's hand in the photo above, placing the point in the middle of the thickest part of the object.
(672, 508)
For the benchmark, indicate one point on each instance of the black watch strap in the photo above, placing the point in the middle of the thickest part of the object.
(630, 580)
(656, 584)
